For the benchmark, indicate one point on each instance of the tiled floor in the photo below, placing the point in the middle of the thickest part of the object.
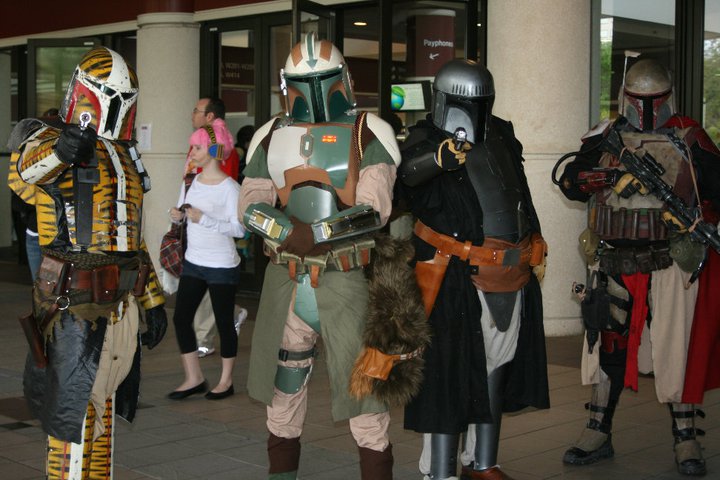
(199, 439)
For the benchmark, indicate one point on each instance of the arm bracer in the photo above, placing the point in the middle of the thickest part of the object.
(38, 163)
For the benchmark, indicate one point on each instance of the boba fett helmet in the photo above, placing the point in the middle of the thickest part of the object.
(463, 96)
(316, 82)
(647, 95)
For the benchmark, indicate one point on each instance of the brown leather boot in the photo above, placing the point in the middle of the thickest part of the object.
(284, 455)
(492, 473)
(376, 465)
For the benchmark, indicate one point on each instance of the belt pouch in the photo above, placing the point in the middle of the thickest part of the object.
(143, 272)
(628, 265)
(662, 258)
(105, 283)
(538, 249)
(609, 263)
(52, 275)
(374, 363)
(34, 339)
(645, 261)
(429, 278)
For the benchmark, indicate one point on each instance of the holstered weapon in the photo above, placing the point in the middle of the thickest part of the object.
(430, 277)
(34, 339)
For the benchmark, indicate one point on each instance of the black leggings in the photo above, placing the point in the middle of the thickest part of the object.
(189, 295)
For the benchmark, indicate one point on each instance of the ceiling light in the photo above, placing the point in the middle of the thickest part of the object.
(360, 24)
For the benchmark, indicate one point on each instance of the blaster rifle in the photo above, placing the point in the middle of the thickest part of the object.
(649, 172)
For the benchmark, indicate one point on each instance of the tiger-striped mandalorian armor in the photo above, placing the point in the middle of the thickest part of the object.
(86, 181)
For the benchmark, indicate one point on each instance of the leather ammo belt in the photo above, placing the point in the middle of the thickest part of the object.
(58, 276)
(476, 255)
(627, 223)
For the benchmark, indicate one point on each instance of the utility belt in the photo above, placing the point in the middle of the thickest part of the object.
(627, 223)
(343, 257)
(630, 260)
(78, 280)
(509, 263)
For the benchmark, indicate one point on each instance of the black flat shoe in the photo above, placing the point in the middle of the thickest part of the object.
(180, 394)
(220, 395)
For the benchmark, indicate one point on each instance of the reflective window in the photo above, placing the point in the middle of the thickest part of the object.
(8, 93)
(631, 29)
(54, 67)
(711, 80)
(237, 78)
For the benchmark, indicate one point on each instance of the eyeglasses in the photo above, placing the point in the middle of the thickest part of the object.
(195, 110)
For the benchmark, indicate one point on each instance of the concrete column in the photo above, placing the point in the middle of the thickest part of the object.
(539, 55)
(168, 62)
(5, 129)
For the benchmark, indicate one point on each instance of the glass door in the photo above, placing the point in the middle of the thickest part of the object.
(309, 16)
(50, 66)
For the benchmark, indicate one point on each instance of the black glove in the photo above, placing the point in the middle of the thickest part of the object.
(75, 145)
(301, 242)
(449, 156)
(156, 321)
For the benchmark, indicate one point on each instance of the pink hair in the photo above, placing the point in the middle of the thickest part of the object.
(222, 137)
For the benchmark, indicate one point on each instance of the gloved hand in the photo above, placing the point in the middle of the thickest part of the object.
(156, 321)
(75, 145)
(301, 242)
(628, 184)
(539, 270)
(448, 156)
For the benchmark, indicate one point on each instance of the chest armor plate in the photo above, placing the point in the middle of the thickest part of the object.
(116, 208)
(499, 189)
(313, 167)
(677, 171)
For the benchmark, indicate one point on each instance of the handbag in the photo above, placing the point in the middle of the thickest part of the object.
(174, 242)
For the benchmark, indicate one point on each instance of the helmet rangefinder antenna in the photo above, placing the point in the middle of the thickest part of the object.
(633, 54)
(85, 119)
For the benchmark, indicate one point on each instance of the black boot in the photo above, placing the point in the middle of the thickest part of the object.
(688, 452)
(595, 442)
(284, 456)
(376, 465)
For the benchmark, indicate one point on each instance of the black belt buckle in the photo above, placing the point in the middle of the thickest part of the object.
(511, 257)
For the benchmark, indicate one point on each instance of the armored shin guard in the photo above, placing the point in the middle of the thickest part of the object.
(443, 456)
(688, 452)
(595, 442)
(487, 435)
(284, 457)
(376, 465)
(89, 460)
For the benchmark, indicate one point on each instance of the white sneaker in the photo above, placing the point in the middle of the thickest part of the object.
(205, 351)
(241, 317)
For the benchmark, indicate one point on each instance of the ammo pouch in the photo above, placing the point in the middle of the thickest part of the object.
(630, 260)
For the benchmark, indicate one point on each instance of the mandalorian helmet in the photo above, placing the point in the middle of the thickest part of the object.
(316, 82)
(647, 97)
(463, 95)
(107, 87)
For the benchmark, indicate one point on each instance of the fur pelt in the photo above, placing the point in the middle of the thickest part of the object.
(396, 322)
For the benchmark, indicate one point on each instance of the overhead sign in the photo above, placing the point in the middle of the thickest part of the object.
(431, 43)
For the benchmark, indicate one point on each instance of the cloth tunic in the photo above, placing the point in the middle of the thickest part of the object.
(454, 393)
(341, 296)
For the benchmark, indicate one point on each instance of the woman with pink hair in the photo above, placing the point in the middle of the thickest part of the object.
(209, 206)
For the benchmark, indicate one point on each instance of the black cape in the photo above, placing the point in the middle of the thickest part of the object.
(454, 392)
